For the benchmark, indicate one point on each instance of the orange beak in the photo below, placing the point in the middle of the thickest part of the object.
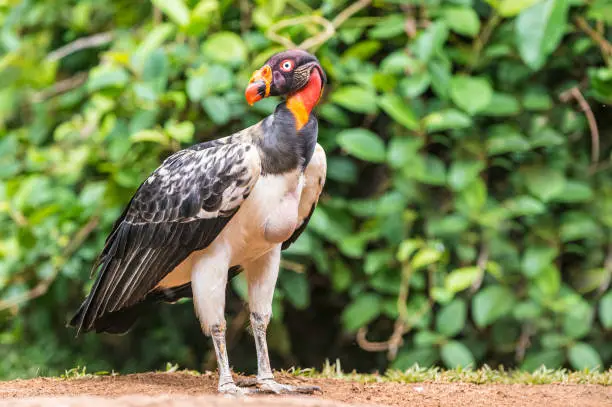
(259, 85)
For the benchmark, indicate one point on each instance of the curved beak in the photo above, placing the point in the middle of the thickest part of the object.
(259, 85)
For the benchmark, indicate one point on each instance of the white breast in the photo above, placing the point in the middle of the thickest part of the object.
(269, 216)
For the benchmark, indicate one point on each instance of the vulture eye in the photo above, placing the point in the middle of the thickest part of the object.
(287, 65)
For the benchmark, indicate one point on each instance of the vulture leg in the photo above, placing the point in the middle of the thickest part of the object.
(262, 275)
(208, 281)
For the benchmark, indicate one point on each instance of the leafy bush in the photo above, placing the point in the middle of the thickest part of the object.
(467, 215)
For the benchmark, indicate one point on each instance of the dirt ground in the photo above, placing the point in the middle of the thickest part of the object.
(184, 390)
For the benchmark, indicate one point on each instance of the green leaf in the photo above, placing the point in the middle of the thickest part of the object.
(423, 356)
(362, 50)
(414, 85)
(363, 310)
(150, 135)
(107, 77)
(548, 281)
(450, 320)
(601, 84)
(544, 183)
(536, 258)
(225, 47)
(472, 94)
(175, 9)
(455, 354)
(217, 108)
(297, 285)
(582, 356)
(601, 10)
(448, 226)
(577, 225)
(182, 132)
(362, 144)
(376, 260)
(537, 99)
(578, 320)
(575, 192)
(355, 99)
(551, 359)
(399, 111)
(504, 139)
(388, 27)
(539, 30)
(502, 104)
(546, 137)
(431, 41)
(524, 205)
(490, 304)
(440, 74)
(605, 310)
(449, 119)
(403, 150)
(425, 338)
(425, 257)
(463, 173)
(407, 248)
(341, 275)
(462, 278)
(207, 80)
(472, 198)
(398, 63)
(152, 42)
(510, 8)
(462, 20)
(342, 169)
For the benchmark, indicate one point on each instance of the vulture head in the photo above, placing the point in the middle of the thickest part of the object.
(285, 74)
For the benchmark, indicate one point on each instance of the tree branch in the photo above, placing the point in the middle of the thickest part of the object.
(604, 45)
(329, 27)
(43, 286)
(574, 93)
(60, 87)
(92, 41)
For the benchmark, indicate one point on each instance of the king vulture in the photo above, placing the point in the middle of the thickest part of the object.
(215, 209)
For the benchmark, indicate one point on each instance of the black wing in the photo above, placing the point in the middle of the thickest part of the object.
(180, 208)
(314, 175)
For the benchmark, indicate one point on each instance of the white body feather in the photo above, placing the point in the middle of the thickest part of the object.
(276, 207)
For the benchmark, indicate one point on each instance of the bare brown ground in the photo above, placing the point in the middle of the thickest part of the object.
(184, 390)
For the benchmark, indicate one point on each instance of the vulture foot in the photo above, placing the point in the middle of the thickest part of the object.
(231, 389)
(271, 386)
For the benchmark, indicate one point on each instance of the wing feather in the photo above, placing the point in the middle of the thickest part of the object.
(314, 175)
(182, 207)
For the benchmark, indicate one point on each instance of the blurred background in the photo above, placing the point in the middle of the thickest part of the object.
(467, 214)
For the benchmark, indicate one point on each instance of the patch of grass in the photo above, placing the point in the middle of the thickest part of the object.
(416, 374)
(174, 367)
(484, 375)
(81, 373)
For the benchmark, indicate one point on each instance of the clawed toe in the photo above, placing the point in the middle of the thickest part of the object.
(231, 389)
(307, 389)
(271, 386)
(246, 382)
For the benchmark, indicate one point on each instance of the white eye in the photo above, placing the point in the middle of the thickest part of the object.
(286, 65)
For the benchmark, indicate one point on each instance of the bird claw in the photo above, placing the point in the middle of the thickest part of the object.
(230, 389)
(271, 386)
(247, 382)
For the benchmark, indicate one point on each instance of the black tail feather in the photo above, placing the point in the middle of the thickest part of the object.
(121, 321)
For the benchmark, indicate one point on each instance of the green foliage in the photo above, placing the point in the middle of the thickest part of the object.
(462, 202)
(484, 375)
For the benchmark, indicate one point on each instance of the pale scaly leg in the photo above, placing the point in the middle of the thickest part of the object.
(261, 275)
(208, 282)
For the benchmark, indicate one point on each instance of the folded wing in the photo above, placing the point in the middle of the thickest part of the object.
(182, 207)
(314, 180)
